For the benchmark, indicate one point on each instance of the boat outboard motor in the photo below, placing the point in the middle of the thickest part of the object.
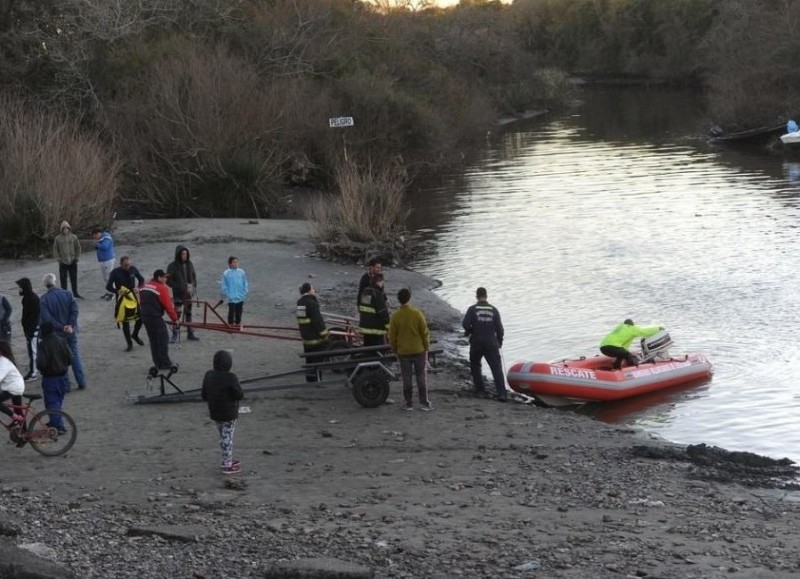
(656, 345)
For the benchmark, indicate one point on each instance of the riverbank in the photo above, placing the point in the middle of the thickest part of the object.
(473, 489)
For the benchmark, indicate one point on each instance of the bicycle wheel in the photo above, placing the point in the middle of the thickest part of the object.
(46, 439)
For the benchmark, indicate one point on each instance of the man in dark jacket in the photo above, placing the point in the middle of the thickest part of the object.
(183, 281)
(485, 330)
(153, 302)
(30, 323)
(222, 392)
(373, 313)
(53, 359)
(123, 280)
(374, 267)
(312, 327)
(5, 319)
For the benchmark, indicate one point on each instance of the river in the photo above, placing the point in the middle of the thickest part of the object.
(620, 209)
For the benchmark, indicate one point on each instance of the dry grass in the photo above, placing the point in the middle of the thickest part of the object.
(204, 131)
(369, 206)
(51, 170)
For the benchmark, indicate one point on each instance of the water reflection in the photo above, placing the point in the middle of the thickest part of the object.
(615, 211)
(654, 406)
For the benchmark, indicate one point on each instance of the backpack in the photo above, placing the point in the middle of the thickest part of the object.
(127, 306)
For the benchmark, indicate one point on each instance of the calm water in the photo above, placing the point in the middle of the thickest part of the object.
(620, 209)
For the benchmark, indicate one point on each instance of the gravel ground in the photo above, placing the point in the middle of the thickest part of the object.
(474, 489)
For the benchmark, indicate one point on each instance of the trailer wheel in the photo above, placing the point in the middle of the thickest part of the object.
(371, 388)
(339, 345)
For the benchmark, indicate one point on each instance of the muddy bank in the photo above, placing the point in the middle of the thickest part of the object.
(473, 489)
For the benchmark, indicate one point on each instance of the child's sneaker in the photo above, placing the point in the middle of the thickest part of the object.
(427, 407)
(232, 469)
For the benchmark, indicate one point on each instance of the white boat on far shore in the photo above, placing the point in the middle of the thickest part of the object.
(791, 140)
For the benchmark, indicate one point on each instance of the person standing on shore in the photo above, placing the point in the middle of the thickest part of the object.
(616, 343)
(30, 324)
(67, 251)
(5, 319)
(124, 282)
(182, 279)
(374, 267)
(222, 392)
(104, 246)
(58, 307)
(234, 287)
(53, 361)
(312, 327)
(373, 313)
(409, 338)
(154, 300)
(485, 330)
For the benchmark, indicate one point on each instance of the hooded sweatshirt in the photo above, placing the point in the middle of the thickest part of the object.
(66, 247)
(221, 389)
(180, 274)
(30, 307)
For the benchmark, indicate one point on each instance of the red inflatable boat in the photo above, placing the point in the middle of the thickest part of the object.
(580, 380)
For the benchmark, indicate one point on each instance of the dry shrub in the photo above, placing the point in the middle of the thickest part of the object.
(51, 170)
(204, 135)
(369, 206)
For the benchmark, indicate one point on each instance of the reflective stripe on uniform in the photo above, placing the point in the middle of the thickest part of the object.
(372, 331)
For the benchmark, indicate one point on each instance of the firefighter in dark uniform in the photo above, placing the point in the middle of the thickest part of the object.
(485, 330)
(373, 312)
(312, 327)
(374, 267)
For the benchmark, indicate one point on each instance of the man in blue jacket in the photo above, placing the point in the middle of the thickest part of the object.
(104, 245)
(58, 307)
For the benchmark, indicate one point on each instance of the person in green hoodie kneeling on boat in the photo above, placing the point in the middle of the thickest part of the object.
(616, 344)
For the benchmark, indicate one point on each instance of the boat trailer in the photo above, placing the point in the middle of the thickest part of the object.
(367, 370)
(341, 328)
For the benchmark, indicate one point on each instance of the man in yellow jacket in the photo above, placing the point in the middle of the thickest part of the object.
(409, 338)
(616, 344)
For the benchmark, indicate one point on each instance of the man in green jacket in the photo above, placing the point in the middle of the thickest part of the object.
(616, 344)
(409, 338)
(67, 251)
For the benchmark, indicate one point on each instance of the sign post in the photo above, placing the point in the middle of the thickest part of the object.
(338, 122)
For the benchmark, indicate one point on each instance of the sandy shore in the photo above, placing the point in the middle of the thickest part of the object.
(474, 489)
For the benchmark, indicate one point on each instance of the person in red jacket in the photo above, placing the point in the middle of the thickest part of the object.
(154, 300)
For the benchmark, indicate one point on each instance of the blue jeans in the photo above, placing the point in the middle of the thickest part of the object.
(53, 390)
(77, 366)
